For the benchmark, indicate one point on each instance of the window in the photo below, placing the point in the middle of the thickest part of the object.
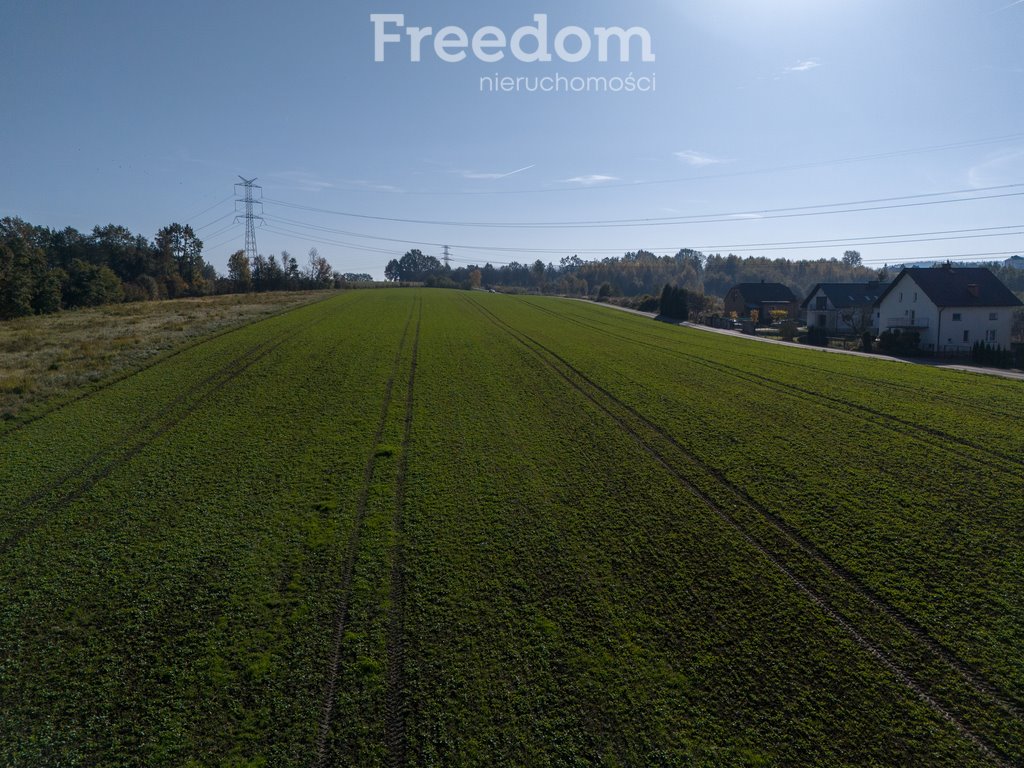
(821, 302)
(993, 315)
(822, 321)
(915, 297)
(956, 317)
(990, 335)
(901, 297)
(967, 337)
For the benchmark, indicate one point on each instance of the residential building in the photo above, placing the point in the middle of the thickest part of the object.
(745, 298)
(950, 307)
(843, 308)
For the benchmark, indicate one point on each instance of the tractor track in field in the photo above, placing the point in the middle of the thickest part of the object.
(106, 384)
(974, 678)
(935, 438)
(864, 380)
(601, 398)
(120, 458)
(110, 458)
(395, 709)
(348, 565)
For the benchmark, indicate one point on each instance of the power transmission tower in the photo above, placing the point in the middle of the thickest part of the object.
(447, 258)
(250, 218)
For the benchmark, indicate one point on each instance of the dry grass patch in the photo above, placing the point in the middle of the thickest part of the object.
(46, 358)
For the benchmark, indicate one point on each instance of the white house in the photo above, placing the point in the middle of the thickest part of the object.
(950, 307)
(843, 308)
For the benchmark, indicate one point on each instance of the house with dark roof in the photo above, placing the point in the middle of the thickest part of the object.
(745, 298)
(950, 307)
(843, 308)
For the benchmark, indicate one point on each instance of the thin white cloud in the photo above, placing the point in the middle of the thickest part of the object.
(493, 176)
(300, 181)
(998, 169)
(804, 66)
(371, 185)
(590, 180)
(699, 159)
(746, 216)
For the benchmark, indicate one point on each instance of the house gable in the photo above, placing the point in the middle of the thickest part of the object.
(951, 308)
(948, 286)
(846, 295)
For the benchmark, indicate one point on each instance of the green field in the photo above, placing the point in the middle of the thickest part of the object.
(438, 528)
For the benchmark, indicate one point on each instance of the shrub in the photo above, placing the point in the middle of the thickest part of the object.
(674, 303)
(899, 342)
(816, 337)
(648, 304)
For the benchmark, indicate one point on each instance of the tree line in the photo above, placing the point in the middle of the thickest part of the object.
(642, 273)
(44, 270)
(635, 273)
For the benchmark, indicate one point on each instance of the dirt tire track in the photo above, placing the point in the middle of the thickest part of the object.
(936, 438)
(120, 459)
(538, 350)
(349, 563)
(395, 709)
(969, 674)
(97, 455)
(198, 393)
(894, 386)
(973, 677)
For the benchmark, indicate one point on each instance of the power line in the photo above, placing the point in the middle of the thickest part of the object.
(946, 257)
(221, 231)
(703, 177)
(220, 244)
(875, 204)
(327, 241)
(474, 262)
(207, 210)
(215, 221)
(859, 240)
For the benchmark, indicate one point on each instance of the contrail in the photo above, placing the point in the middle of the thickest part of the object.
(1006, 7)
(513, 173)
(477, 175)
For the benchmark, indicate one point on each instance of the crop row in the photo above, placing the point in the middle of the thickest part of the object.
(926, 526)
(437, 528)
(956, 692)
(965, 411)
(180, 610)
(571, 602)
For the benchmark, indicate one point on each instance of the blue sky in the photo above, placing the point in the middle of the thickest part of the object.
(144, 113)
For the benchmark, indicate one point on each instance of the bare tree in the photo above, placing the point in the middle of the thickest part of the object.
(312, 264)
(857, 319)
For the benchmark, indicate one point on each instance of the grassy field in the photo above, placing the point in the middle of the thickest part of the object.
(45, 358)
(438, 528)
